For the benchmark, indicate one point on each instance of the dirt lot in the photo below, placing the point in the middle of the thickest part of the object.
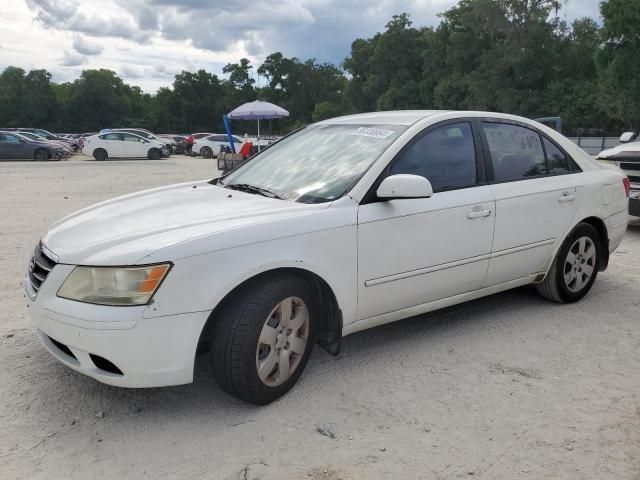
(510, 386)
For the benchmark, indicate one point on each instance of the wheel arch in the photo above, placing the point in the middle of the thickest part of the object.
(601, 228)
(329, 331)
(43, 149)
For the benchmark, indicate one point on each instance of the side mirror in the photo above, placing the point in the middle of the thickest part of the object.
(626, 137)
(404, 186)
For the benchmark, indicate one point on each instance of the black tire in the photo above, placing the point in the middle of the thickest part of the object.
(235, 348)
(41, 155)
(206, 152)
(100, 154)
(555, 285)
(154, 154)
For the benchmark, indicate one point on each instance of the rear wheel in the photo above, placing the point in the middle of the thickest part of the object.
(154, 154)
(262, 339)
(206, 152)
(575, 267)
(41, 155)
(100, 154)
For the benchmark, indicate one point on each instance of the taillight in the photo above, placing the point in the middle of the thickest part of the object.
(627, 186)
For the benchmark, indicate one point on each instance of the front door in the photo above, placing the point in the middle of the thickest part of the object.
(414, 251)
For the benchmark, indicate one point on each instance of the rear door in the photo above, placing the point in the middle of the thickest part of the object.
(536, 190)
(113, 144)
(12, 147)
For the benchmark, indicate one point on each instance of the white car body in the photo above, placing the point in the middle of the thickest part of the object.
(214, 142)
(383, 261)
(627, 157)
(121, 145)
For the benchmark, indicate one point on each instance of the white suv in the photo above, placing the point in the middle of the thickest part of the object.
(344, 225)
(123, 145)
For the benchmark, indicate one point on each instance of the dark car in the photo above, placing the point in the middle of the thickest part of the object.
(17, 147)
(179, 140)
(40, 132)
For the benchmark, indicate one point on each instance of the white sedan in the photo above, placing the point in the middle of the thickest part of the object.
(123, 145)
(209, 146)
(347, 224)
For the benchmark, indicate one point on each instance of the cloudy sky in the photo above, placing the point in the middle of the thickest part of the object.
(148, 41)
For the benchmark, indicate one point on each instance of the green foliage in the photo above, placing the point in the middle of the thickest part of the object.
(511, 56)
(618, 61)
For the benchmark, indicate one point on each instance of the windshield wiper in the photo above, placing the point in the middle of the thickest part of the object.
(245, 187)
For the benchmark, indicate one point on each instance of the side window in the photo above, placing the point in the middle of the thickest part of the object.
(111, 136)
(131, 138)
(556, 160)
(445, 156)
(516, 152)
(8, 138)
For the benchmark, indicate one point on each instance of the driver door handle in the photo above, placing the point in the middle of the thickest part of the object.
(566, 197)
(478, 214)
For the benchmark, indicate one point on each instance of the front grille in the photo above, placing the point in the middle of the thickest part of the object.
(39, 268)
(630, 166)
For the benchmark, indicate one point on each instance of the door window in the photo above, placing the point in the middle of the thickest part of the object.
(516, 152)
(445, 156)
(8, 138)
(111, 136)
(132, 138)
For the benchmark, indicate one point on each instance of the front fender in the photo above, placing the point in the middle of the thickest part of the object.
(201, 282)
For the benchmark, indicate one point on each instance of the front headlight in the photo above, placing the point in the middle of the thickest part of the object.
(113, 285)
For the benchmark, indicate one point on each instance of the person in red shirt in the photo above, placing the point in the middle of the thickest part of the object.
(189, 144)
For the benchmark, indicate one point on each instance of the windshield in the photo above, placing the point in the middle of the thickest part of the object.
(317, 164)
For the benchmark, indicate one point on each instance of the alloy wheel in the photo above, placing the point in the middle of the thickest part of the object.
(580, 264)
(283, 341)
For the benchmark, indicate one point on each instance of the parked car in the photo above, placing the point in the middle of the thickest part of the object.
(40, 132)
(197, 136)
(18, 147)
(627, 157)
(170, 143)
(63, 145)
(209, 146)
(344, 225)
(123, 145)
(180, 142)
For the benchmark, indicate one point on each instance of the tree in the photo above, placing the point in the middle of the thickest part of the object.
(618, 61)
(99, 100)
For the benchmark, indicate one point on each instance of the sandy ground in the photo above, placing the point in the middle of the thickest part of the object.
(510, 386)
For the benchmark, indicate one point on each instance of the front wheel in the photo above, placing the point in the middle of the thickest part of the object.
(206, 152)
(575, 267)
(155, 154)
(263, 337)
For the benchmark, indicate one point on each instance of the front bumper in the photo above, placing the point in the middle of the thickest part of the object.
(147, 352)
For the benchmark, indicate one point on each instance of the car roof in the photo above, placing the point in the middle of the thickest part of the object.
(398, 117)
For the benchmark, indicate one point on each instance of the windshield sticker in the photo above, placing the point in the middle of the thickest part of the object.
(373, 132)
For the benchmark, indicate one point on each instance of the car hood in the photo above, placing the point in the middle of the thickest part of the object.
(126, 229)
(623, 150)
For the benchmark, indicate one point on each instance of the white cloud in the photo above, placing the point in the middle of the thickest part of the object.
(84, 46)
(72, 59)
